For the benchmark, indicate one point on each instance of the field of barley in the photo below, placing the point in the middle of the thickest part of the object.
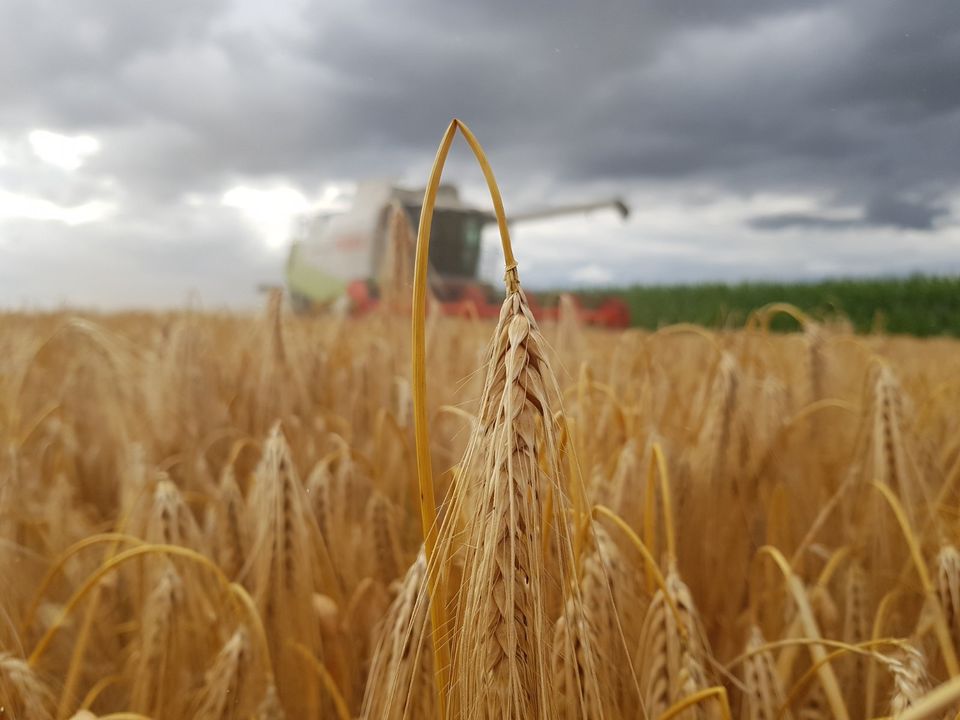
(217, 516)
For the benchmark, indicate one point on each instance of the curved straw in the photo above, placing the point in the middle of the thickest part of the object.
(75, 667)
(428, 503)
(935, 702)
(795, 587)
(657, 467)
(343, 712)
(242, 597)
(36, 422)
(861, 648)
(939, 622)
(649, 562)
(878, 620)
(94, 578)
(761, 317)
(58, 564)
(509, 261)
(93, 693)
(839, 646)
(785, 661)
(818, 405)
(837, 558)
(688, 329)
(718, 693)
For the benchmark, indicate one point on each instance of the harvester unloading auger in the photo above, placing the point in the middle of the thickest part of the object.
(360, 259)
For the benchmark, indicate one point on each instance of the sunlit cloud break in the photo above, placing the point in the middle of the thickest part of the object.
(67, 152)
(592, 275)
(15, 206)
(273, 210)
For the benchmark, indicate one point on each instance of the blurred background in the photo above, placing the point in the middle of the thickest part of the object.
(154, 155)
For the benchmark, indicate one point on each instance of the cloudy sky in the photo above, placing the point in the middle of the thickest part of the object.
(153, 153)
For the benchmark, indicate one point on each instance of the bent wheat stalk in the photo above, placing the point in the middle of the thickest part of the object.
(428, 502)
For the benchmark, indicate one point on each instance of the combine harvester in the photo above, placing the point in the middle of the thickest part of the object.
(361, 259)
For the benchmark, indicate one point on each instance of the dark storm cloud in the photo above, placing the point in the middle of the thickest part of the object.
(854, 102)
(639, 90)
(881, 211)
(783, 221)
(894, 212)
(801, 104)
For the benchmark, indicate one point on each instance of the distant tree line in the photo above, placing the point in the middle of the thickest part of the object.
(918, 305)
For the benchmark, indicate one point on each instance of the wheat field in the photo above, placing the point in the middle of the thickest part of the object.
(214, 516)
(221, 517)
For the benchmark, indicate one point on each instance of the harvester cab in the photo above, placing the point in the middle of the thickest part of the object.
(344, 260)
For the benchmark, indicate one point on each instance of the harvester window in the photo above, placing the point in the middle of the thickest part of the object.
(455, 241)
(470, 253)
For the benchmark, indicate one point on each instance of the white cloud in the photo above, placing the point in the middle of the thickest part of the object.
(677, 235)
(28, 207)
(67, 152)
(592, 274)
(273, 209)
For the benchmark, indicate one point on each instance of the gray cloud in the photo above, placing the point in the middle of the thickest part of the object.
(154, 258)
(855, 104)
(783, 221)
(880, 211)
(895, 212)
